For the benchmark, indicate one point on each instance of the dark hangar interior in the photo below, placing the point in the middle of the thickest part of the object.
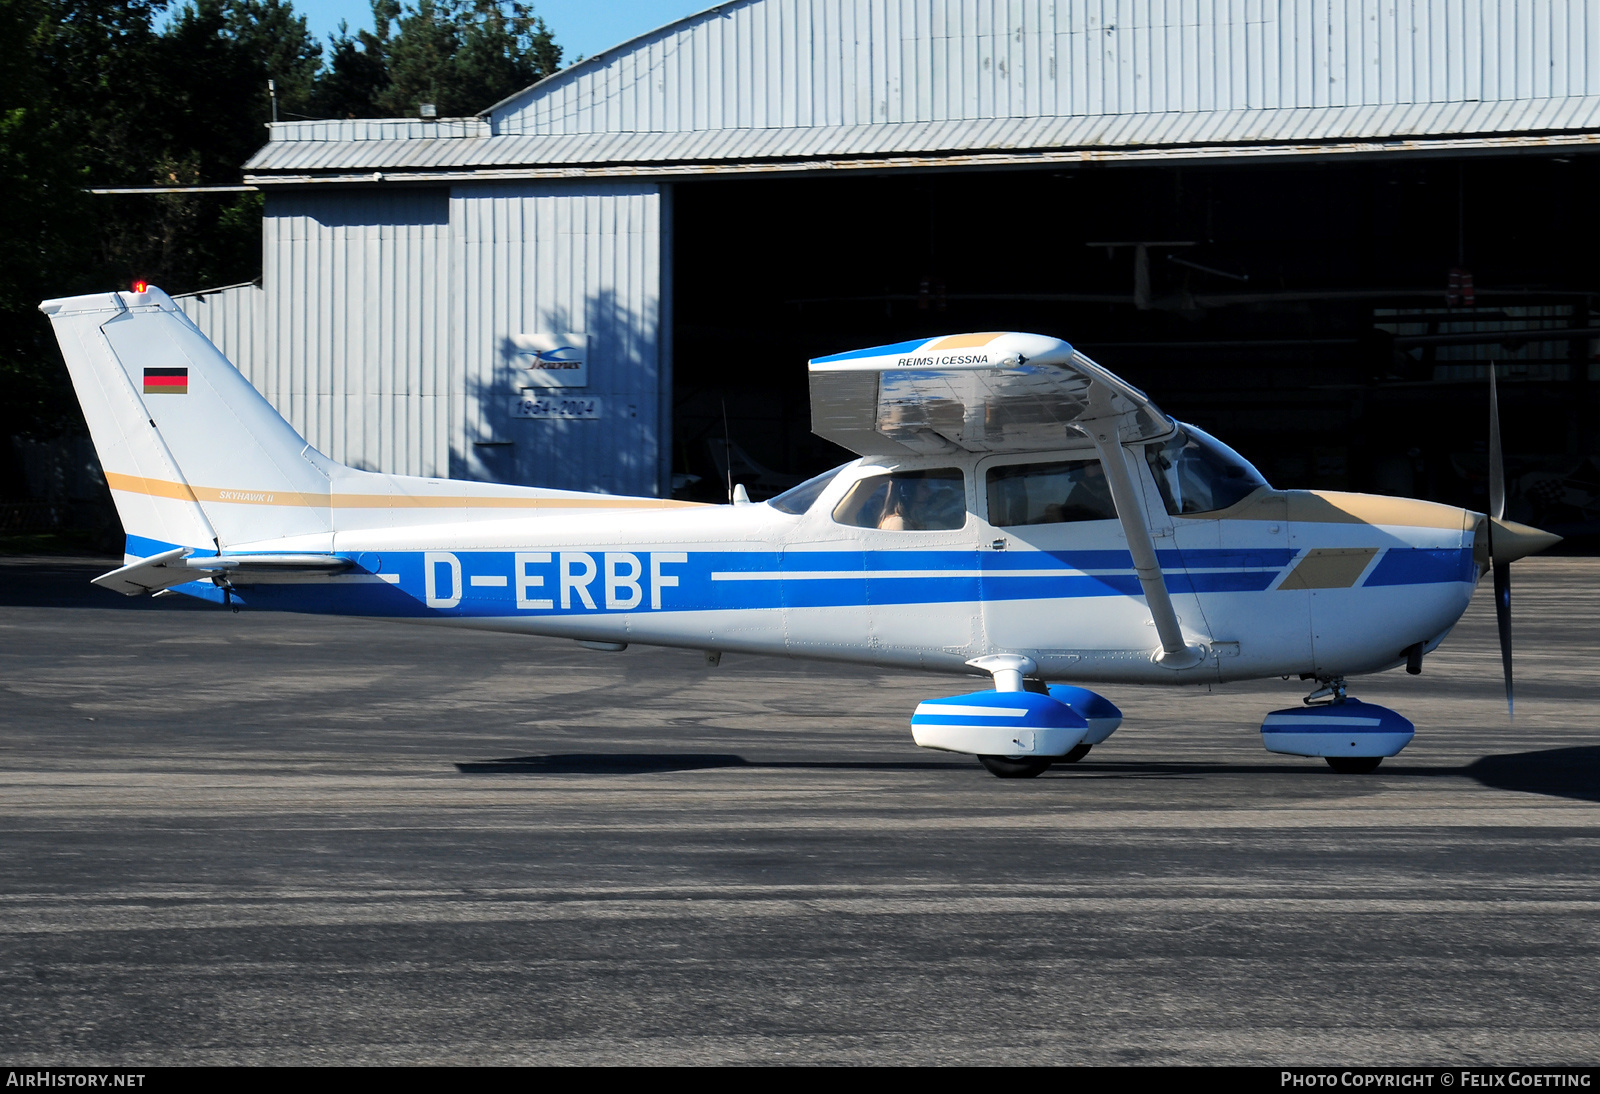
(1332, 318)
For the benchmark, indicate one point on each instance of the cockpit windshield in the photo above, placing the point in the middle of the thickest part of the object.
(797, 499)
(1197, 473)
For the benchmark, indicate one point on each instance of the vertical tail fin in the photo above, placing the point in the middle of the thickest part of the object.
(194, 455)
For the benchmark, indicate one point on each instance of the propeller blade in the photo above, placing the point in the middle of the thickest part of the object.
(1502, 618)
(1502, 566)
(1497, 470)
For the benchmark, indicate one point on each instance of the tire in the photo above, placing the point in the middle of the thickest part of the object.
(1078, 752)
(1017, 767)
(1354, 765)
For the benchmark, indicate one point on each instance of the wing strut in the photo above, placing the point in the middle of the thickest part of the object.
(1175, 652)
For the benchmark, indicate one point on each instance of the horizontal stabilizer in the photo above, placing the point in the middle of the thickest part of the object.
(149, 575)
(178, 567)
(269, 564)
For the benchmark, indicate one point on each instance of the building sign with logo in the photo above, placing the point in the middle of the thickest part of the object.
(550, 360)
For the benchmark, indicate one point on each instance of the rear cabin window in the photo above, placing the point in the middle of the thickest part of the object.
(906, 501)
(1049, 493)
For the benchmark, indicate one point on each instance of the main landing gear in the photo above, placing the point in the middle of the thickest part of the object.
(1017, 767)
(1354, 765)
(1022, 727)
(1028, 767)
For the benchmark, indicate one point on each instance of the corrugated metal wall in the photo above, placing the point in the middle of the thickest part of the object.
(785, 63)
(556, 257)
(358, 316)
(381, 328)
(235, 320)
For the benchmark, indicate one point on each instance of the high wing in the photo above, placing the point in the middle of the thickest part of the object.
(994, 392)
(1002, 392)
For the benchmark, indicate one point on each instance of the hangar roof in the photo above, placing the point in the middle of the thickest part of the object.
(800, 85)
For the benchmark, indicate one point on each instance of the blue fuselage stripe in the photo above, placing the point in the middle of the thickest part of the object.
(580, 582)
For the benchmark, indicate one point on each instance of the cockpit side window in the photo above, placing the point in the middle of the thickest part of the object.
(1197, 473)
(906, 501)
(797, 499)
(1049, 493)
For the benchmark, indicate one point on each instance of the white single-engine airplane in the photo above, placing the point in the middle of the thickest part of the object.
(1017, 510)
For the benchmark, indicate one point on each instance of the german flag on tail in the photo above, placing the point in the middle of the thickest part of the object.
(166, 381)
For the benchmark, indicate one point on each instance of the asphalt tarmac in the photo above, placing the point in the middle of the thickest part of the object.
(251, 838)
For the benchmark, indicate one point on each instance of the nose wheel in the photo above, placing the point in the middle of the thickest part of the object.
(1354, 765)
(1017, 767)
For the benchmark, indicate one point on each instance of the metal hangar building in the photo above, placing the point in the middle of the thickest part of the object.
(1309, 225)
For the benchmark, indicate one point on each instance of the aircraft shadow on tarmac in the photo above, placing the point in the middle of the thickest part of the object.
(640, 763)
(1560, 772)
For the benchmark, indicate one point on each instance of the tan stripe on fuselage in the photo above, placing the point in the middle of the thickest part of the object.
(261, 497)
(1329, 568)
(1335, 507)
(155, 488)
(467, 501)
(161, 488)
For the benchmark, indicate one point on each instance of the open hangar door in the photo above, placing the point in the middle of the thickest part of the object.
(1333, 319)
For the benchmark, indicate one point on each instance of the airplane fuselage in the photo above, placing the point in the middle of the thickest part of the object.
(1281, 583)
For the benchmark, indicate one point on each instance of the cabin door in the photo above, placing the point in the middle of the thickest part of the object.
(1057, 576)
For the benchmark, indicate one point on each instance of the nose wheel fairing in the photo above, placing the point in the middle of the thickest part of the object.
(1341, 729)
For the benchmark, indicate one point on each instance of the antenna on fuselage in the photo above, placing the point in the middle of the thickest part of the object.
(727, 449)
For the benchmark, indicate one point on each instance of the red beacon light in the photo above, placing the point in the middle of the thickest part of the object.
(141, 286)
